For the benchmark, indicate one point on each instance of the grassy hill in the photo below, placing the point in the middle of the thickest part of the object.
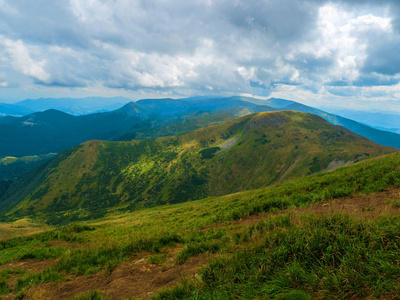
(378, 136)
(11, 167)
(246, 153)
(330, 235)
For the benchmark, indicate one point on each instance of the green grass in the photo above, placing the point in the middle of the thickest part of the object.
(157, 258)
(5, 275)
(194, 249)
(282, 257)
(303, 258)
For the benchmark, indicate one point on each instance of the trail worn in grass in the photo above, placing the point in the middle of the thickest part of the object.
(140, 277)
(235, 230)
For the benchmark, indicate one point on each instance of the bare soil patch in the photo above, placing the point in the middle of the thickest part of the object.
(139, 278)
(136, 278)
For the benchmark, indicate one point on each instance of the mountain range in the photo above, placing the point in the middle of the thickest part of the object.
(54, 131)
(245, 153)
(380, 120)
(73, 106)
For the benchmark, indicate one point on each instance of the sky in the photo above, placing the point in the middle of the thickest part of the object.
(340, 54)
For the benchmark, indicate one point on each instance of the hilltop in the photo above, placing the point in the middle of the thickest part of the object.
(250, 152)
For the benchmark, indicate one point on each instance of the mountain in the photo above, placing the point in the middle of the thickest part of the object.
(14, 110)
(182, 124)
(171, 107)
(381, 137)
(166, 108)
(74, 106)
(54, 131)
(7, 119)
(245, 153)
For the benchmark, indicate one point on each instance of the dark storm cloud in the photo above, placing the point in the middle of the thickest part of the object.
(383, 56)
(375, 80)
(42, 22)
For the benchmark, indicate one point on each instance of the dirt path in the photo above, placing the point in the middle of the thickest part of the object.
(386, 203)
(136, 278)
(139, 278)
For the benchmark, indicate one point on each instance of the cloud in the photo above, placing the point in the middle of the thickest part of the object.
(20, 58)
(176, 47)
(383, 55)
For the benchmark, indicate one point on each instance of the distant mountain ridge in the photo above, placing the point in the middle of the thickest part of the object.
(74, 106)
(14, 110)
(55, 131)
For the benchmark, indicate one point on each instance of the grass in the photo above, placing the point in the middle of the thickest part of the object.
(194, 249)
(93, 295)
(302, 258)
(284, 257)
(157, 258)
(21, 227)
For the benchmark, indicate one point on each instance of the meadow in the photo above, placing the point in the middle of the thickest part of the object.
(255, 244)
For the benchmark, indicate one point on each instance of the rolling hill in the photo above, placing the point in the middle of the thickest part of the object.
(242, 154)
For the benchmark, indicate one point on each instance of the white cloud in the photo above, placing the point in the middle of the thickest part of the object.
(20, 59)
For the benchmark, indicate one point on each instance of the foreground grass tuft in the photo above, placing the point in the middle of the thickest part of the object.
(313, 256)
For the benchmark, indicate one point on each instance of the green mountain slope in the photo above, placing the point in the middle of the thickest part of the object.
(330, 235)
(12, 167)
(381, 137)
(189, 122)
(246, 153)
